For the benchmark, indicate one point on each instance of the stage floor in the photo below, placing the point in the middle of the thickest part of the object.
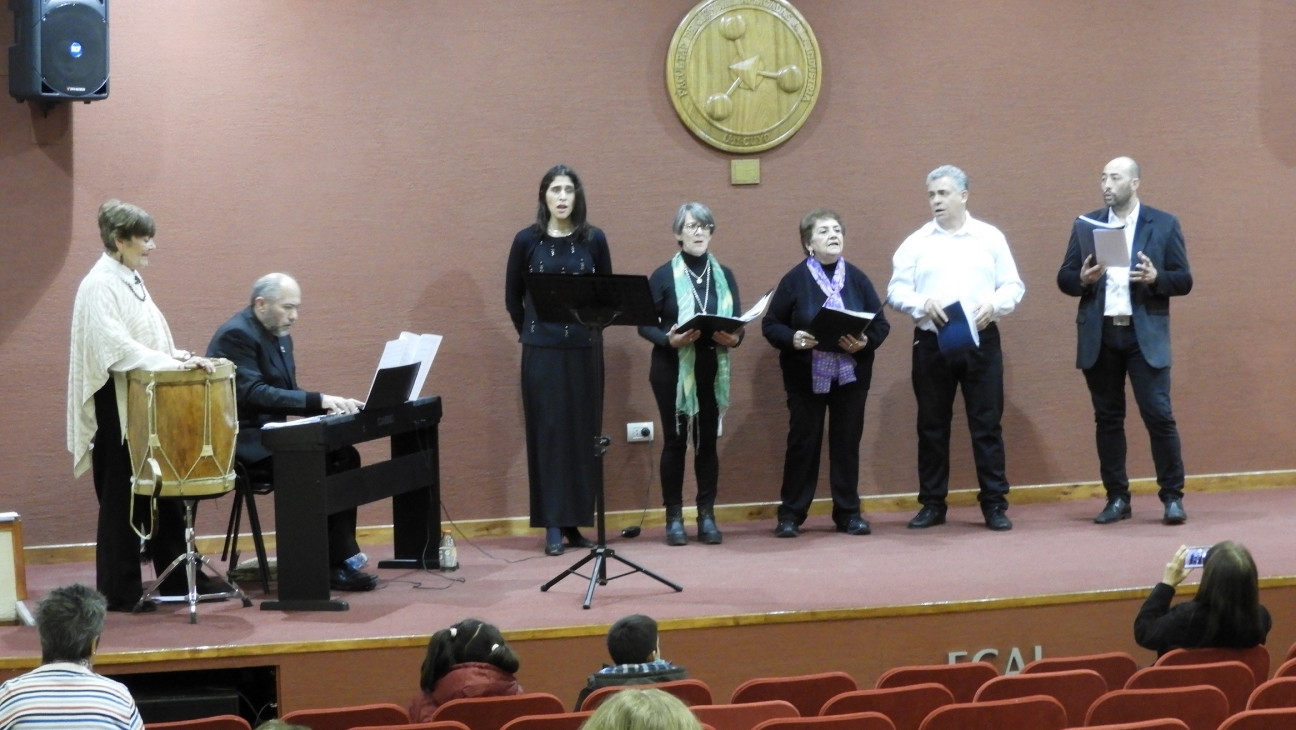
(1053, 549)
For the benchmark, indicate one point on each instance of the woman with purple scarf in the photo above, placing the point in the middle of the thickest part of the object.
(823, 377)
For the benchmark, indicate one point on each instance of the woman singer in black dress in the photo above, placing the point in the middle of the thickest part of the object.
(558, 390)
(690, 370)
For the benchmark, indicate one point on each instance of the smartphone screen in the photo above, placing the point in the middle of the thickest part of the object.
(1196, 557)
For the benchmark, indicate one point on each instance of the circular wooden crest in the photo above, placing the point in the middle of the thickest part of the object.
(743, 75)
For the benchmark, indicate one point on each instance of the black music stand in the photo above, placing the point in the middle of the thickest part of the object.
(596, 301)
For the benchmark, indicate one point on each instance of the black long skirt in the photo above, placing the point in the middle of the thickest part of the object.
(559, 401)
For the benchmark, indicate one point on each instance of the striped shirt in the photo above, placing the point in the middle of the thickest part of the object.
(66, 696)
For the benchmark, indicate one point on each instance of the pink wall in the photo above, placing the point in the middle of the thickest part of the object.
(385, 154)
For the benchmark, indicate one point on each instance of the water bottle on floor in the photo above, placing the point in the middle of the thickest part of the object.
(447, 554)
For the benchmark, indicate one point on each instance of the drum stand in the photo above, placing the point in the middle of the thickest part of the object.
(194, 562)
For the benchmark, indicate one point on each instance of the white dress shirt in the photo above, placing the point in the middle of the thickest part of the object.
(971, 265)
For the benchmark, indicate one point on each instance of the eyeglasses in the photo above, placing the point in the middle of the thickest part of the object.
(694, 227)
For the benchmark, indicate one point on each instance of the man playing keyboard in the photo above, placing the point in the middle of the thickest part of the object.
(256, 340)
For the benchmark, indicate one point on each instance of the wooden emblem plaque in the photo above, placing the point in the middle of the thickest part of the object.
(744, 75)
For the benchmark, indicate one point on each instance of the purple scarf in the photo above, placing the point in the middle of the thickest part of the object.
(828, 366)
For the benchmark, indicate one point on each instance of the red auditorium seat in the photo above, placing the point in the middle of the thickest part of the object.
(1115, 666)
(907, 706)
(1075, 689)
(962, 680)
(808, 692)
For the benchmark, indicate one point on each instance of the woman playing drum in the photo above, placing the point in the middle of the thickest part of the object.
(116, 327)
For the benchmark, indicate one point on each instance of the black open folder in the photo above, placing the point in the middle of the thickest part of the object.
(831, 324)
(710, 324)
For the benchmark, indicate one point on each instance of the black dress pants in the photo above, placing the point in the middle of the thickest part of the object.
(935, 379)
(675, 435)
(1118, 356)
(117, 547)
(844, 406)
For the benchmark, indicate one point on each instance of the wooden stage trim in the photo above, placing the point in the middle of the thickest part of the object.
(724, 651)
(755, 511)
(942, 608)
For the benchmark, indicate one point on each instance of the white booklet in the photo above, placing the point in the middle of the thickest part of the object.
(1104, 241)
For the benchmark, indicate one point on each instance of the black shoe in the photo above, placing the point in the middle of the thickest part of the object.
(996, 520)
(928, 516)
(1117, 509)
(787, 529)
(133, 607)
(675, 535)
(708, 533)
(554, 548)
(575, 539)
(855, 526)
(1174, 513)
(347, 578)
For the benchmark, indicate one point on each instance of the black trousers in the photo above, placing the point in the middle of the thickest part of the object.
(341, 525)
(1119, 356)
(935, 379)
(844, 406)
(675, 435)
(117, 547)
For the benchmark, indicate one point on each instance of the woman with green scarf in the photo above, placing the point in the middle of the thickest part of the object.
(690, 370)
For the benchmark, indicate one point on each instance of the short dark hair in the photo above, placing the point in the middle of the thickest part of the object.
(470, 640)
(69, 620)
(809, 220)
(580, 228)
(632, 639)
(118, 220)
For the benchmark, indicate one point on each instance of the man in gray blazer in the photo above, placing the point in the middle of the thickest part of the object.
(1123, 328)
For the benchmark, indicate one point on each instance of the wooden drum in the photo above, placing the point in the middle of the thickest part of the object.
(181, 427)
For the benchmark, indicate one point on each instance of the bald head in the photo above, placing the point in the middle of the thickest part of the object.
(275, 301)
(1128, 164)
(1120, 182)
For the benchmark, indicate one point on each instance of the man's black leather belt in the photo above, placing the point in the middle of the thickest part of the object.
(1120, 320)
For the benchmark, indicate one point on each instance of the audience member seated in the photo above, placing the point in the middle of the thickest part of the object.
(642, 709)
(278, 724)
(469, 659)
(636, 656)
(64, 693)
(1226, 611)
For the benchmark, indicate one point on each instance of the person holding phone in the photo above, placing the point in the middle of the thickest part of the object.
(1226, 612)
(690, 370)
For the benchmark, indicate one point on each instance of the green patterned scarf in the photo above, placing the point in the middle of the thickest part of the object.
(686, 384)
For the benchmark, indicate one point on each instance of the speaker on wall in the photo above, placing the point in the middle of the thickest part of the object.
(60, 50)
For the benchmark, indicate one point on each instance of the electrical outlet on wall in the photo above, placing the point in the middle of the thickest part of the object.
(639, 431)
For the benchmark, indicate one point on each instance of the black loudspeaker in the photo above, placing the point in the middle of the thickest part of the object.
(60, 50)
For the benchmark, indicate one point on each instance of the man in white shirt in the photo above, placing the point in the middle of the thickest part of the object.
(1123, 327)
(956, 258)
